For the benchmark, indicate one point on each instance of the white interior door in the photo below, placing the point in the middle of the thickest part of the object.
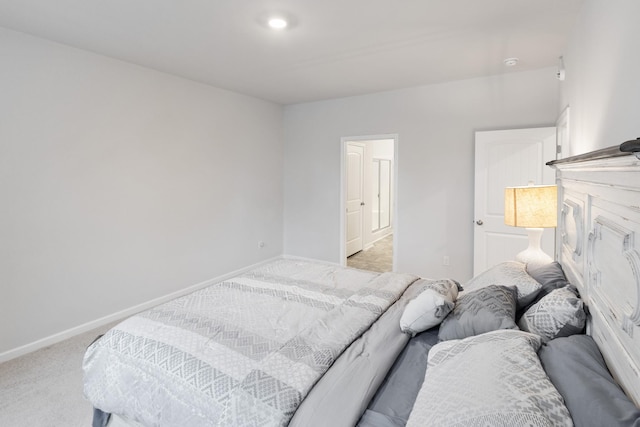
(355, 197)
(507, 158)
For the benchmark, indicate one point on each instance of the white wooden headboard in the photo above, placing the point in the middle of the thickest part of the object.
(598, 245)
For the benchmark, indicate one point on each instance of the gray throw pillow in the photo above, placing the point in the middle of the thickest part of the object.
(558, 314)
(486, 309)
(576, 368)
(509, 273)
(551, 277)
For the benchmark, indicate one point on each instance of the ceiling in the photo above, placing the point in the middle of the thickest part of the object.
(333, 48)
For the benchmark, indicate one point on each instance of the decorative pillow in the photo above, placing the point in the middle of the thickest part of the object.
(430, 307)
(576, 368)
(558, 314)
(494, 379)
(550, 276)
(510, 273)
(486, 309)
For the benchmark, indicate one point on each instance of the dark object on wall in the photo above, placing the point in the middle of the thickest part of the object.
(631, 146)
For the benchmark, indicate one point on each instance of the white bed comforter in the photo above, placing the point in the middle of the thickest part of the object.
(245, 351)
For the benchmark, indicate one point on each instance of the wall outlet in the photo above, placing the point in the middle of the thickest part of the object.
(445, 260)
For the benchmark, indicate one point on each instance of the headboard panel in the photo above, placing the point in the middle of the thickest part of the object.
(598, 246)
(571, 234)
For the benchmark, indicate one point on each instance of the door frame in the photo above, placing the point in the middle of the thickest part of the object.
(343, 191)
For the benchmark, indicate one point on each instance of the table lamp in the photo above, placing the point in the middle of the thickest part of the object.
(535, 208)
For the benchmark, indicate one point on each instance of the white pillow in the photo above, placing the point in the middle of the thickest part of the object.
(430, 307)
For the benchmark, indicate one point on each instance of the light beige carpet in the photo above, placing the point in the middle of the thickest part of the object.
(44, 388)
(377, 258)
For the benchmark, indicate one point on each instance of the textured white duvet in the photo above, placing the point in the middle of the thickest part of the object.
(242, 352)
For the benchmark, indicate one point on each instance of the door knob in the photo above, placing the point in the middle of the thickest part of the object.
(361, 203)
(479, 222)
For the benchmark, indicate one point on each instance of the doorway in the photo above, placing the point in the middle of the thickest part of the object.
(368, 182)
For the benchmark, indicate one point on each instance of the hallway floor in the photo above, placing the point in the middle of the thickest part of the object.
(378, 258)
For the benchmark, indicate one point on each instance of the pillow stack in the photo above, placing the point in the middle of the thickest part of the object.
(506, 296)
(490, 301)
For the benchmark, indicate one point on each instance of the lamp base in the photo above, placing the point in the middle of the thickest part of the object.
(534, 256)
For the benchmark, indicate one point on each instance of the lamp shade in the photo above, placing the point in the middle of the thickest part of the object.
(534, 206)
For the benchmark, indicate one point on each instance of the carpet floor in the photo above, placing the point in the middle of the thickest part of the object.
(44, 388)
(377, 258)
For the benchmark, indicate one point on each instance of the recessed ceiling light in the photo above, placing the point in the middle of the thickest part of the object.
(511, 62)
(278, 23)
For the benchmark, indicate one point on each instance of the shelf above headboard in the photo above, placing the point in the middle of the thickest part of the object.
(624, 149)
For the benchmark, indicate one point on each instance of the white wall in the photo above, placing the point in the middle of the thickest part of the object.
(435, 125)
(120, 184)
(602, 85)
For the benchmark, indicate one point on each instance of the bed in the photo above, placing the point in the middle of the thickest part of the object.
(248, 350)
(305, 343)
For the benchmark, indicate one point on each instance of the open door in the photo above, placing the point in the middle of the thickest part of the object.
(507, 158)
(355, 197)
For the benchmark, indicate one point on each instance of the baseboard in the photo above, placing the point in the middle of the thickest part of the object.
(382, 234)
(69, 333)
(377, 239)
(301, 258)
